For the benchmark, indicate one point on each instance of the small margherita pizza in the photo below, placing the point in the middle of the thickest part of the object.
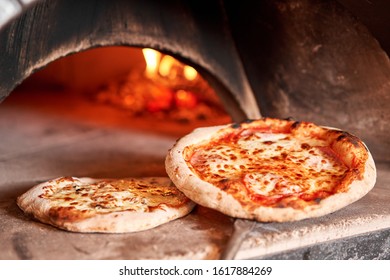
(271, 170)
(105, 205)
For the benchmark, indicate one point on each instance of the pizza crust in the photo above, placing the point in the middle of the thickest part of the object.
(35, 204)
(208, 195)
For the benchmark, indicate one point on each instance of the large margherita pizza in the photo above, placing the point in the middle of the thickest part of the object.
(271, 169)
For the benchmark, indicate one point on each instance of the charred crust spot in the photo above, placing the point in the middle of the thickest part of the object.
(317, 200)
(289, 119)
(280, 205)
(65, 179)
(63, 214)
(341, 137)
(348, 137)
(295, 124)
(356, 171)
(236, 125)
(354, 140)
(142, 186)
(249, 121)
(305, 146)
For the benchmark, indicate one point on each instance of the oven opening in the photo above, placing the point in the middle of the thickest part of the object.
(128, 86)
(106, 112)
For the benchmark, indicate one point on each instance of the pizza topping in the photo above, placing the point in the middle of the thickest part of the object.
(109, 196)
(105, 205)
(292, 164)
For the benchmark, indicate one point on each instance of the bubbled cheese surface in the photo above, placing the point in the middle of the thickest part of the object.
(140, 195)
(270, 169)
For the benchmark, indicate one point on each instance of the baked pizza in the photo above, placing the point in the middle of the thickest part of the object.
(271, 170)
(105, 205)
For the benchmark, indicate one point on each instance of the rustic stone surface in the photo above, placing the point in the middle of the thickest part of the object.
(199, 235)
(372, 246)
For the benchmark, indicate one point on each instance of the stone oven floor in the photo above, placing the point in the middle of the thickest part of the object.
(67, 138)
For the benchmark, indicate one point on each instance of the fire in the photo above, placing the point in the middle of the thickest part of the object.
(190, 73)
(152, 58)
(166, 88)
(166, 66)
(169, 72)
(185, 99)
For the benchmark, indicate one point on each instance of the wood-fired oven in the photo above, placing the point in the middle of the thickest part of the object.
(324, 61)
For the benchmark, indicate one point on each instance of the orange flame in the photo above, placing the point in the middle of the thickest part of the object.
(152, 58)
(166, 66)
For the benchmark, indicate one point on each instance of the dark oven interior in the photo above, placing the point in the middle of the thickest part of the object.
(324, 61)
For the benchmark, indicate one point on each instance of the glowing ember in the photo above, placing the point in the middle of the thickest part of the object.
(185, 99)
(167, 88)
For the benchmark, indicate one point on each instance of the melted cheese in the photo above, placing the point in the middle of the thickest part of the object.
(113, 195)
(267, 167)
